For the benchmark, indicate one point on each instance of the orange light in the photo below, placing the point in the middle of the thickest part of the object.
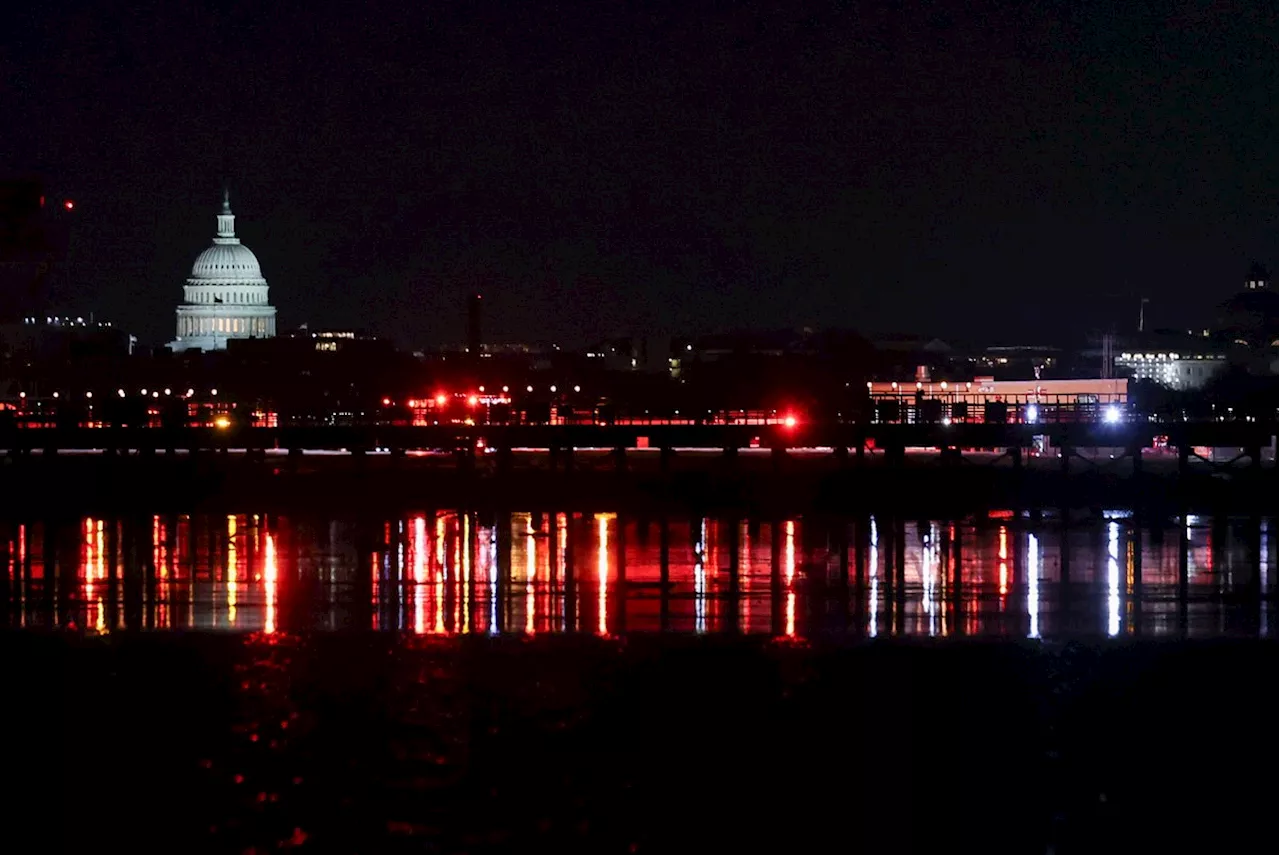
(440, 399)
(790, 421)
(222, 422)
(69, 205)
(472, 401)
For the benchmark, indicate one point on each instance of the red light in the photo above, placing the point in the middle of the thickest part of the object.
(472, 401)
(386, 402)
(440, 399)
(790, 421)
(69, 205)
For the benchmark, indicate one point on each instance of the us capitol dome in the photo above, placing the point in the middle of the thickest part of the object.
(226, 295)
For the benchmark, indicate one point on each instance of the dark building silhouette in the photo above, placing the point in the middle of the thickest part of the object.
(33, 246)
(474, 340)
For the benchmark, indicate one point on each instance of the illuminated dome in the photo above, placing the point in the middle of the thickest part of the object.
(227, 263)
(226, 294)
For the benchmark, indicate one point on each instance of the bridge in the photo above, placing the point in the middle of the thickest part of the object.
(838, 439)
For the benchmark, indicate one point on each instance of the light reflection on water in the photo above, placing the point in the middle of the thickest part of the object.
(453, 572)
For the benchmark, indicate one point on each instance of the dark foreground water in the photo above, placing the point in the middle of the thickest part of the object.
(445, 683)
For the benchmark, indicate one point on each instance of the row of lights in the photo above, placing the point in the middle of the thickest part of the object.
(920, 385)
(472, 400)
(121, 393)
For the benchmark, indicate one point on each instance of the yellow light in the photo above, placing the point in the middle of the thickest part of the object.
(222, 422)
(271, 572)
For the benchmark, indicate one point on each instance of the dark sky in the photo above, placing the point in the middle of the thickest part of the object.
(1015, 172)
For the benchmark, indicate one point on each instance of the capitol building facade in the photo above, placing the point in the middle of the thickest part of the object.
(226, 295)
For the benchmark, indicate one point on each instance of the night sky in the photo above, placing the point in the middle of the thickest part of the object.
(1013, 173)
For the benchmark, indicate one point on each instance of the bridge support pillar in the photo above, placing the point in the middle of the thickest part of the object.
(735, 545)
(7, 596)
(842, 545)
(1136, 590)
(1255, 459)
(665, 456)
(1184, 461)
(620, 459)
(775, 576)
(956, 534)
(779, 457)
(664, 573)
(1184, 572)
(502, 559)
(570, 581)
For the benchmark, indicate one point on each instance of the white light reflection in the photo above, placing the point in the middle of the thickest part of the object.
(1113, 579)
(930, 570)
(1263, 557)
(493, 581)
(873, 562)
(1033, 585)
(398, 588)
(700, 580)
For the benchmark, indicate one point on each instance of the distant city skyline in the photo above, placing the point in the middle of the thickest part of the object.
(1014, 174)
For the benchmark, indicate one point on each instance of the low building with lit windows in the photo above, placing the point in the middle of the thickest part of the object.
(1179, 371)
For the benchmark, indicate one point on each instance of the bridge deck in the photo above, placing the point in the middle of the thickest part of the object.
(1075, 435)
